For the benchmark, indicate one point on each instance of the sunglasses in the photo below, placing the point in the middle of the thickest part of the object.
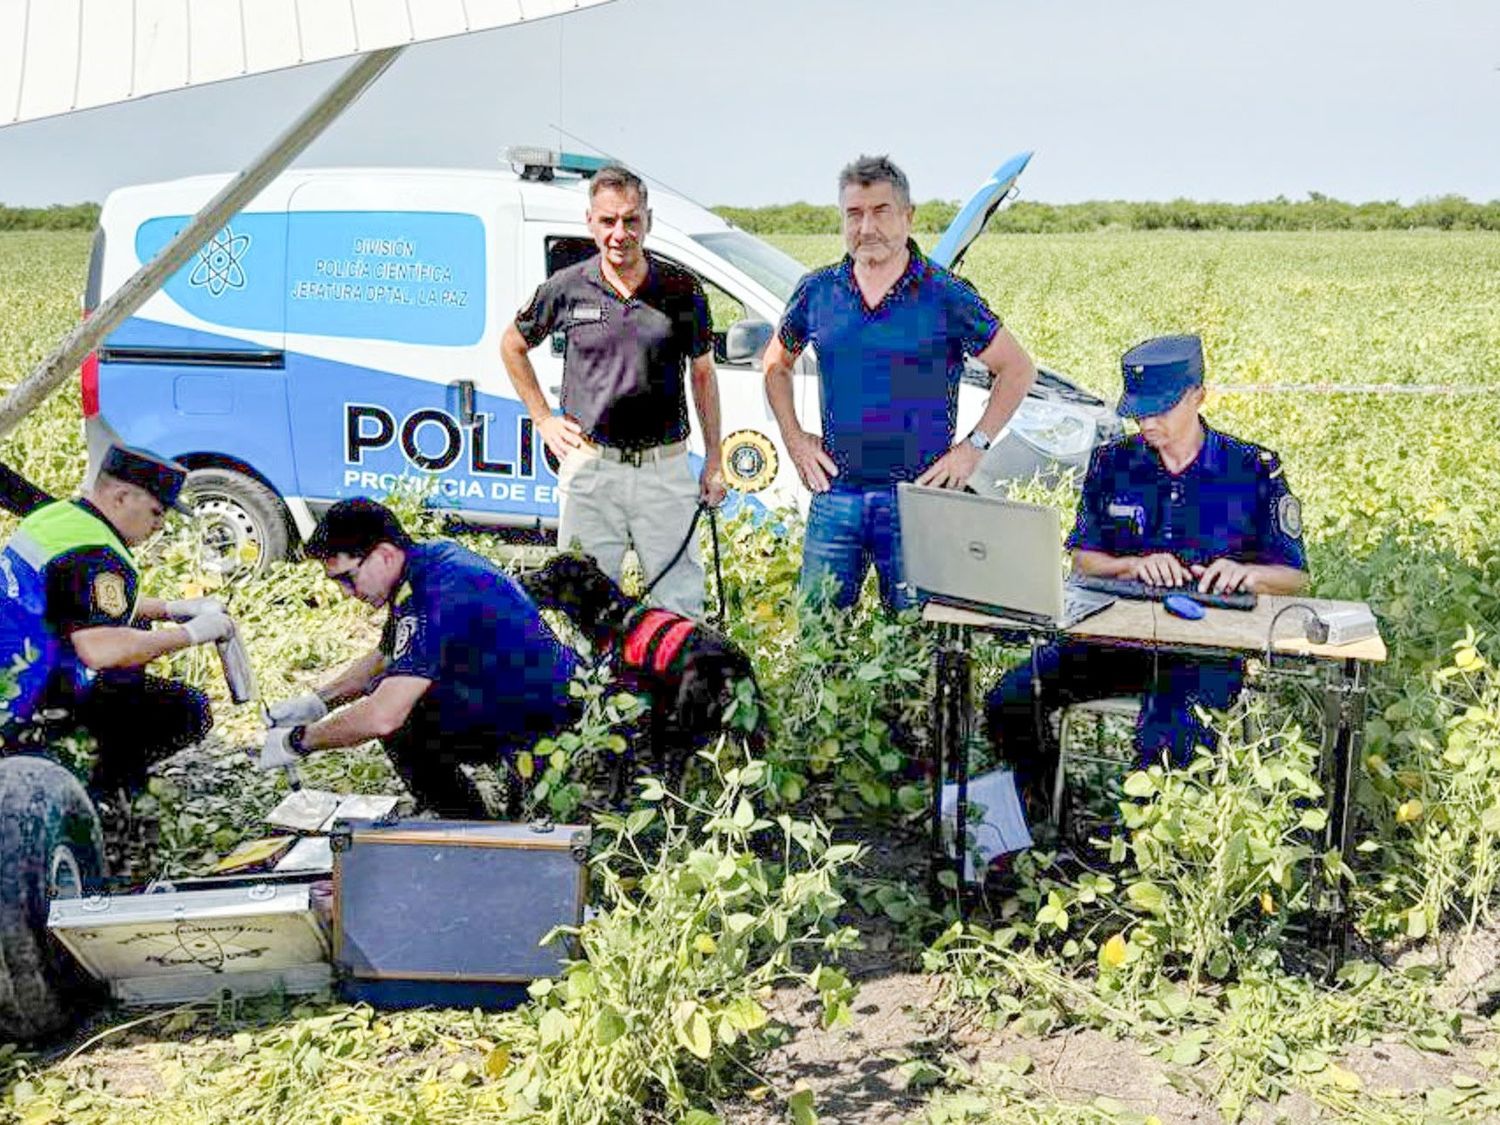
(346, 578)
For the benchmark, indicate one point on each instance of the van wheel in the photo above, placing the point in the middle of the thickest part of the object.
(239, 523)
(52, 847)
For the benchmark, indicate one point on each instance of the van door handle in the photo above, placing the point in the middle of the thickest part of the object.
(467, 402)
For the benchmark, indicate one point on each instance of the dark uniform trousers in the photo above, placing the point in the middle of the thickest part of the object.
(428, 759)
(137, 720)
(1171, 686)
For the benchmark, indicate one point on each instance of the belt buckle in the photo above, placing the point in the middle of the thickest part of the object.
(633, 457)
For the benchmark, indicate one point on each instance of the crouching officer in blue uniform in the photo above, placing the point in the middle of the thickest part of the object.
(466, 671)
(1177, 504)
(71, 617)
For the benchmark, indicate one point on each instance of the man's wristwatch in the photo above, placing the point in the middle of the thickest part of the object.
(979, 439)
(294, 739)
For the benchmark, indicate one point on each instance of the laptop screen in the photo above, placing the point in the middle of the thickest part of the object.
(979, 550)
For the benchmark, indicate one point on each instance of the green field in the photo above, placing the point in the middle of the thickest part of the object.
(1183, 961)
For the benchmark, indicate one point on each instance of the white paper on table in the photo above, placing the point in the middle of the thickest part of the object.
(996, 824)
(304, 810)
(363, 807)
(311, 853)
(315, 810)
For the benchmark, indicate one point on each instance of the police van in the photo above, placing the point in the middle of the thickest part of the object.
(341, 337)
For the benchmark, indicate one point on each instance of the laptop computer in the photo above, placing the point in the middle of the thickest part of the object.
(995, 556)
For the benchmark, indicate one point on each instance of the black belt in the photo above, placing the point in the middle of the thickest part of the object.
(638, 456)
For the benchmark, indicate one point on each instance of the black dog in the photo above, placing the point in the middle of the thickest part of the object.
(685, 670)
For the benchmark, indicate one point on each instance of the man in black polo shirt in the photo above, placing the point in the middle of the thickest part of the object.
(634, 323)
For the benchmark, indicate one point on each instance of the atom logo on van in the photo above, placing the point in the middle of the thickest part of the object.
(219, 266)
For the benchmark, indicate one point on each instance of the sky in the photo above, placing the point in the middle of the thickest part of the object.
(762, 101)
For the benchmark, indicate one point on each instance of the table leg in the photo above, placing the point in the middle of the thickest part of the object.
(1343, 738)
(959, 729)
(950, 721)
(938, 742)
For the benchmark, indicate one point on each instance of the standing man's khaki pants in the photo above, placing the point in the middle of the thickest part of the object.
(607, 506)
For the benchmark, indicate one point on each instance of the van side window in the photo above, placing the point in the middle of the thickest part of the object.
(724, 310)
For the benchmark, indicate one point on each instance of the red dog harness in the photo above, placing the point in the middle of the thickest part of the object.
(655, 642)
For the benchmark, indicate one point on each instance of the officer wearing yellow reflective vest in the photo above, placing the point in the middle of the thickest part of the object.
(73, 635)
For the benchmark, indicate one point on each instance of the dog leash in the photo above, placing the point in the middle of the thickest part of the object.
(713, 526)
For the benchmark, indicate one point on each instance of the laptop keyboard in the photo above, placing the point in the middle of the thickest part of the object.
(1142, 591)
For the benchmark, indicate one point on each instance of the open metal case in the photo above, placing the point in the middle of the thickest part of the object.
(203, 938)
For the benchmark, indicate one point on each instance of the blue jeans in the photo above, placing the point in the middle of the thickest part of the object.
(847, 531)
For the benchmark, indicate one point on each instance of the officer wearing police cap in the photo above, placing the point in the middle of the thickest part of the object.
(1177, 504)
(71, 618)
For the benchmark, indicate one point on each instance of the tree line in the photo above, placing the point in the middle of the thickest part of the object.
(1317, 212)
(60, 216)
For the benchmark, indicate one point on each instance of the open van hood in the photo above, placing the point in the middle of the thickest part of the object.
(973, 215)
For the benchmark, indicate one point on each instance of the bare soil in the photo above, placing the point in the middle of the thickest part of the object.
(858, 1075)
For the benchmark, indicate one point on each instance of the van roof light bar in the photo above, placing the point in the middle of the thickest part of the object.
(532, 162)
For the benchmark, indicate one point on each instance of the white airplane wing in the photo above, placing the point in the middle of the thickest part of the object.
(60, 56)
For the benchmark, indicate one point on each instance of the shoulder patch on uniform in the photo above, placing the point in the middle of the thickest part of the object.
(406, 629)
(1289, 515)
(109, 594)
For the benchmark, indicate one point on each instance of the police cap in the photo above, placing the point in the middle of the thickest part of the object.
(1158, 372)
(161, 478)
(355, 527)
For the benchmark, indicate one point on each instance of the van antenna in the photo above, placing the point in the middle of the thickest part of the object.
(643, 173)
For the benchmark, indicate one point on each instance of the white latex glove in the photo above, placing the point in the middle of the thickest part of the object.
(299, 709)
(185, 609)
(275, 752)
(205, 627)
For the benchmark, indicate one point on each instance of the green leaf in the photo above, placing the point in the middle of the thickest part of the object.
(1314, 820)
(1416, 922)
(1187, 1053)
(1139, 784)
(581, 983)
(555, 1027)
(638, 821)
(800, 1108)
(746, 1014)
(1173, 1000)
(609, 1026)
(744, 814)
(497, 1062)
(1147, 895)
(841, 853)
(692, 1030)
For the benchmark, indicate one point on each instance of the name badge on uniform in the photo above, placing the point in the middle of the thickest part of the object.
(587, 314)
(1132, 512)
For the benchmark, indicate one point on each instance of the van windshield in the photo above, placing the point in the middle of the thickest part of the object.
(777, 271)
